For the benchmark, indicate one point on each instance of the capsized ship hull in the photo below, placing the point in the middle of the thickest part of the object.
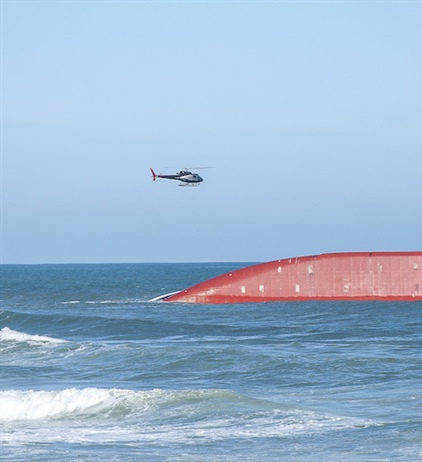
(390, 276)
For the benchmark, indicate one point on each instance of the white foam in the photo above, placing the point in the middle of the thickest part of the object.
(216, 406)
(7, 334)
(159, 416)
(104, 302)
(31, 405)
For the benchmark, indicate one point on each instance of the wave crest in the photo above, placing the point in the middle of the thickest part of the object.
(9, 335)
(90, 402)
(219, 407)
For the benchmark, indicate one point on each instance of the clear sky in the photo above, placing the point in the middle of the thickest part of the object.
(310, 111)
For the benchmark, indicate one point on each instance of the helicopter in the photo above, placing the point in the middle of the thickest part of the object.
(186, 177)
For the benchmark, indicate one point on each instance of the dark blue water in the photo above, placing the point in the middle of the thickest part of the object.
(92, 370)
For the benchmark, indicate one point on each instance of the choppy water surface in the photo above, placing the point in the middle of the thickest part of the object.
(91, 370)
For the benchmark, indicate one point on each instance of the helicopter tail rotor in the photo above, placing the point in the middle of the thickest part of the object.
(154, 175)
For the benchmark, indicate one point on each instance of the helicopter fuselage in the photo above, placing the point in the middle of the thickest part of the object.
(184, 176)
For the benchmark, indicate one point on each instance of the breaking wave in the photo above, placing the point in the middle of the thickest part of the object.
(9, 335)
(221, 413)
(32, 405)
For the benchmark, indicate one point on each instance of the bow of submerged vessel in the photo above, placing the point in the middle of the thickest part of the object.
(390, 276)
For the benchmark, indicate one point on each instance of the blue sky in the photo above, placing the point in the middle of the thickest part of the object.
(310, 112)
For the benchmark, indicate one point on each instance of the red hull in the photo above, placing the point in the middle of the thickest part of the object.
(390, 276)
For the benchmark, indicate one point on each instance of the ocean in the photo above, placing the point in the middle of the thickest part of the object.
(91, 370)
